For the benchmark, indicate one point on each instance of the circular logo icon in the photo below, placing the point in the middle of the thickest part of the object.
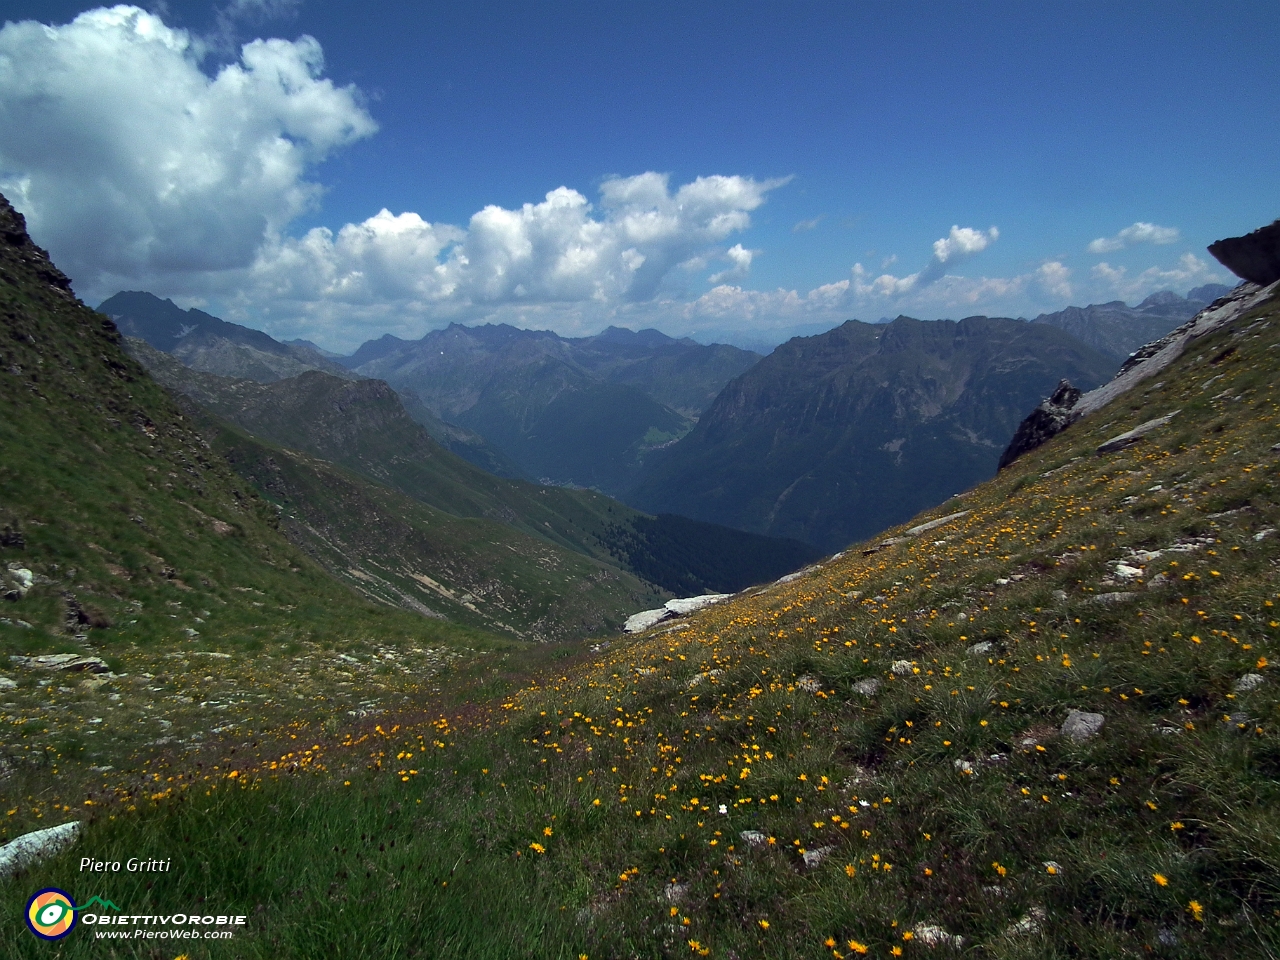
(51, 913)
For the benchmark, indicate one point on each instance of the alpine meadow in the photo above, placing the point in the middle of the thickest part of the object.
(658, 569)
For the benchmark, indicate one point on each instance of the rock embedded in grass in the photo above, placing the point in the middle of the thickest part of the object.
(813, 858)
(867, 687)
(30, 848)
(1250, 681)
(1080, 725)
(931, 935)
(63, 661)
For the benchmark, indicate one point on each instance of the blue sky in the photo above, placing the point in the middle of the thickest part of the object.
(730, 170)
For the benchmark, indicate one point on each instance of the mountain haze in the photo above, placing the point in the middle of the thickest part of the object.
(835, 437)
(361, 426)
(585, 411)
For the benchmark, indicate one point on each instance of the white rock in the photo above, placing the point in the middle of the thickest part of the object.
(31, 848)
(813, 858)
(867, 687)
(1109, 598)
(931, 935)
(6, 683)
(24, 577)
(639, 622)
(676, 892)
(981, 648)
(963, 766)
(1031, 924)
(754, 838)
(1264, 533)
(1126, 572)
(63, 661)
(933, 524)
(690, 604)
(902, 668)
(1080, 725)
(809, 684)
(1250, 681)
(697, 678)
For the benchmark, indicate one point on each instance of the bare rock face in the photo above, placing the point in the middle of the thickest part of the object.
(1255, 256)
(1054, 415)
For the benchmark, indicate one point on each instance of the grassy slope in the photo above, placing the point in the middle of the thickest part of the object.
(363, 427)
(149, 552)
(944, 798)
(392, 547)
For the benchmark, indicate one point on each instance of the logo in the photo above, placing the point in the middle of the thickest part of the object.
(51, 913)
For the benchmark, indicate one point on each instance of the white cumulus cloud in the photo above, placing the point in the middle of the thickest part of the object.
(132, 164)
(1139, 232)
(1055, 277)
(957, 246)
(739, 258)
(556, 250)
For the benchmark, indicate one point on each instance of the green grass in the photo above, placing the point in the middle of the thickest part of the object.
(941, 800)
(914, 838)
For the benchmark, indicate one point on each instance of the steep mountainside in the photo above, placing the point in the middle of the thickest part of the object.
(363, 427)
(401, 551)
(582, 411)
(1117, 329)
(1040, 722)
(207, 343)
(126, 540)
(211, 345)
(834, 437)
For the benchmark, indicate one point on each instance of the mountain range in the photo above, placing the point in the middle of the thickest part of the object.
(1041, 725)
(300, 440)
(832, 438)
(829, 438)
(1118, 329)
(583, 411)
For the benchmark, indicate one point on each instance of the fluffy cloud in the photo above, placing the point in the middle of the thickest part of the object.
(1055, 278)
(957, 246)
(1137, 233)
(739, 258)
(132, 164)
(556, 251)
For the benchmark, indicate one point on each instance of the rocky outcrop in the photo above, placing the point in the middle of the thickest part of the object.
(1146, 362)
(1054, 415)
(1130, 437)
(639, 622)
(1255, 256)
